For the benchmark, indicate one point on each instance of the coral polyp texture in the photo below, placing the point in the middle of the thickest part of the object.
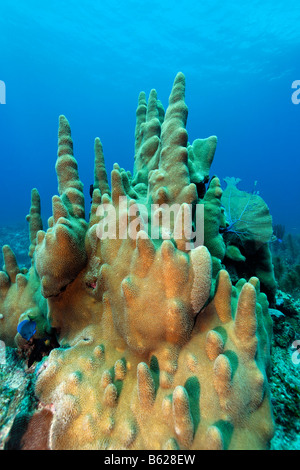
(157, 349)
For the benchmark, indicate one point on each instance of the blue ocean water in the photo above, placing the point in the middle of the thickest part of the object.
(89, 60)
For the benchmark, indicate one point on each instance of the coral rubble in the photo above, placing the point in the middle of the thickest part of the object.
(157, 348)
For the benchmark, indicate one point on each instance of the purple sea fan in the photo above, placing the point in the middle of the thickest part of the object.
(247, 214)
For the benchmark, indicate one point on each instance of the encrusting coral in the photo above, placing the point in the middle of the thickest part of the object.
(157, 349)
